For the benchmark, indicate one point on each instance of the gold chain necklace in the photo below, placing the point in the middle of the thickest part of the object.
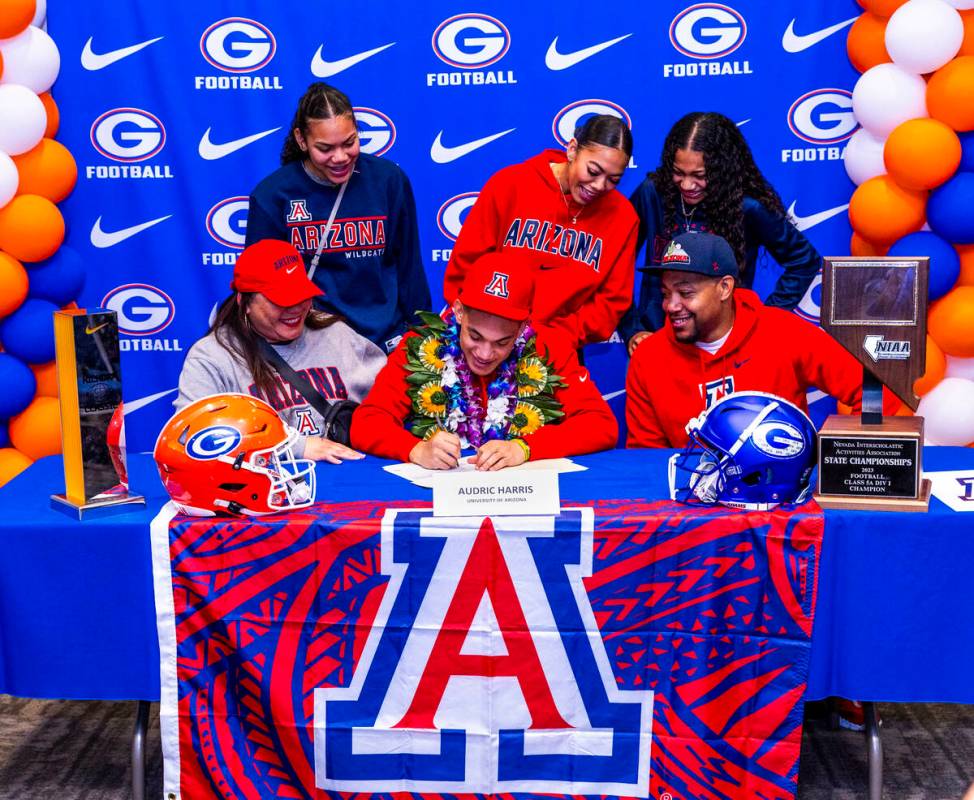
(687, 218)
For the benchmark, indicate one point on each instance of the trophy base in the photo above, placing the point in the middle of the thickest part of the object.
(96, 509)
(869, 467)
(841, 503)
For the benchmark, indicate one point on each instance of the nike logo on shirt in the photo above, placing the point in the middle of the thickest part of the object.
(442, 154)
(558, 61)
(325, 69)
(93, 61)
(793, 43)
(804, 223)
(101, 238)
(210, 151)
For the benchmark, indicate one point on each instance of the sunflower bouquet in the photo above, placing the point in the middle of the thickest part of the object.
(444, 394)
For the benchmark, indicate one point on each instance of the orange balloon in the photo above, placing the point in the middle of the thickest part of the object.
(967, 46)
(949, 322)
(36, 431)
(882, 8)
(53, 115)
(903, 411)
(862, 247)
(46, 376)
(921, 153)
(13, 284)
(31, 228)
(882, 212)
(12, 463)
(936, 367)
(15, 16)
(866, 44)
(48, 170)
(966, 253)
(950, 94)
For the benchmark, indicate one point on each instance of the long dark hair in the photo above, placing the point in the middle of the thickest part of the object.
(233, 331)
(730, 170)
(606, 130)
(320, 101)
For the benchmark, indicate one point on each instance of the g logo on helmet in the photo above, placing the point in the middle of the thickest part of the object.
(213, 442)
(571, 116)
(707, 30)
(450, 217)
(225, 223)
(128, 135)
(823, 116)
(778, 439)
(471, 41)
(376, 131)
(142, 309)
(238, 44)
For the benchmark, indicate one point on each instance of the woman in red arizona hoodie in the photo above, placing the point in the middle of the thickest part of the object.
(561, 212)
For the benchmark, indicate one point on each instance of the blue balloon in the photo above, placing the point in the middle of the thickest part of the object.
(18, 384)
(59, 278)
(967, 152)
(949, 209)
(28, 333)
(944, 260)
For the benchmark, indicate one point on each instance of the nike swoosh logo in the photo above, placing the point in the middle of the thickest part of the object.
(581, 378)
(89, 330)
(211, 152)
(612, 395)
(793, 43)
(135, 405)
(557, 61)
(739, 364)
(289, 270)
(442, 154)
(101, 238)
(325, 69)
(93, 61)
(804, 223)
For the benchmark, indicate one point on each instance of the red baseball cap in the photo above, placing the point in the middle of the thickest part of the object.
(276, 270)
(501, 284)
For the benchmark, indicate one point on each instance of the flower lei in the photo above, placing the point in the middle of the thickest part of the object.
(444, 395)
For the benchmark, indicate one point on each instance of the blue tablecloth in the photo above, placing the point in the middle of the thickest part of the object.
(895, 617)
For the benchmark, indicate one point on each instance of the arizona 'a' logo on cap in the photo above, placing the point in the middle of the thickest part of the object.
(675, 254)
(497, 285)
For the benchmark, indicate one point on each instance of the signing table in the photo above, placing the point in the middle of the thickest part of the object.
(77, 617)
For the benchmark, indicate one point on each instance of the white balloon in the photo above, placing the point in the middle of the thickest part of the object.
(960, 368)
(886, 96)
(864, 157)
(22, 119)
(40, 14)
(923, 35)
(9, 179)
(30, 59)
(963, 5)
(948, 411)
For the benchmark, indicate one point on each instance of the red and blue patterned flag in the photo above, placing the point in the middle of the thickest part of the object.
(632, 649)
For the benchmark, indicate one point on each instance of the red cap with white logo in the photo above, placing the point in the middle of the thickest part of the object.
(501, 284)
(276, 270)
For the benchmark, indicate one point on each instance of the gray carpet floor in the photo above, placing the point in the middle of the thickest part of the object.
(80, 751)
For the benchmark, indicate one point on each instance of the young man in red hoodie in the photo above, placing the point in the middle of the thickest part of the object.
(720, 339)
(483, 378)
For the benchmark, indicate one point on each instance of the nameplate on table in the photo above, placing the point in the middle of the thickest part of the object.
(480, 494)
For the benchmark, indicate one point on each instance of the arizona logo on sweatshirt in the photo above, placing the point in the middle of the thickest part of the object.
(550, 237)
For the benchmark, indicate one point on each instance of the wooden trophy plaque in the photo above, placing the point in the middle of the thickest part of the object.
(876, 308)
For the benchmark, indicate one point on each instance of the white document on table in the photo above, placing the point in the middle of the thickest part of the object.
(954, 488)
(424, 477)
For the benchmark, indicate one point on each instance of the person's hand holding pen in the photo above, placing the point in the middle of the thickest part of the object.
(441, 451)
(500, 453)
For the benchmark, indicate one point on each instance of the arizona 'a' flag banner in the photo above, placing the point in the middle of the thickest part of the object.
(632, 649)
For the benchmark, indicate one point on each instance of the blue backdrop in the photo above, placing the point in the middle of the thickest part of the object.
(174, 112)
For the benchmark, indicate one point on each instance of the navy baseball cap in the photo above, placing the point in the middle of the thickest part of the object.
(703, 253)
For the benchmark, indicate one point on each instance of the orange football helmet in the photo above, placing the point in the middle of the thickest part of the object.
(232, 454)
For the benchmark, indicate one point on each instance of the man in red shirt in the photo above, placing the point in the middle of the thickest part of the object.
(720, 339)
(482, 378)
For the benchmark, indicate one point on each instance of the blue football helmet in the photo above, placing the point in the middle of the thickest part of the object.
(749, 450)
